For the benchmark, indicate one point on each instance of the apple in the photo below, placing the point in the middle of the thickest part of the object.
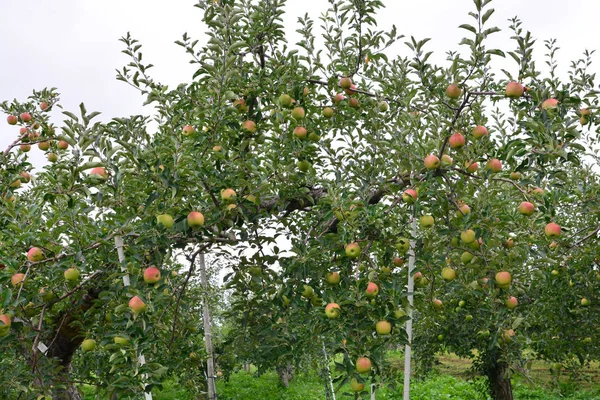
(468, 318)
(25, 177)
(453, 91)
(62, 144)
(303, 165)
(46, 294)
(332, 310)
(228, 195)
(553, 246)
(17, 279)
(151, 275)
(457, 140)
(383, 106)
(507, 335)
(356, 386)
(165, 220)
(298, 113)
(71, 274)
(99, 173)
(515, 176)
(35, 254)
(285, 100)
(512, 303)
(372, 290)
(403, 245)
(25, 147)
(526, 208)
(426, 221)
(494, 165)
(383, 328)
(448, 274)
(509, 244)
(585, 116)
(313, 136)
(351, 90)
(333, 277)
(441, 337)
(462, 303)
(23, 131)
(338, 98)
(217, 148)
(432, 162)
(12, 120)
(479, 131)
(44, 106)
(352, 250)
(463, 210)
(503, 279)
(188, 130)
(52, 157)
(514, 90)
(300, 132)
(399, 313)
(25, 117)
(195, 219)
(88, 345)
(5, 319)
(550, 104)
(249, 126)
(417, 276)
(538, 191)
(555, 272)
(307, 291)
(471, 166)
(45, 145)
(446, 160)
(409, 196)
(328, 112)
(345, 83)
(121, 340)
(363, 365)
(437, 304)
(468, 236)
(137, 305)
(398, 261)
(585, 302)
(466, 257)
(353, 102)
(552, 230)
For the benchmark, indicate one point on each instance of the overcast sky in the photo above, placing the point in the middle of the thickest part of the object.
(73, 44)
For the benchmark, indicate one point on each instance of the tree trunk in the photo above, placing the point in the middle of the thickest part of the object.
(499, 381)
(286, 374)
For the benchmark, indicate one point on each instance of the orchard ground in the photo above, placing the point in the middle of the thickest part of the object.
(451, 378)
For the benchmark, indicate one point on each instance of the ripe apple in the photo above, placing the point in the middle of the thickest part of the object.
(25, 147)
(62, 144)
(437, 304)
(17, 279)
(228, 195)
(45, 145)
(372, 290)
(494, 165)
(468, 236)
(446, 160)
(12, 120)
(337, 98)
(195, 219)
(466, 257)
(585, 116)
(514, 90)
(383, 106)
(507, 335)
(363, 365)
(352, 250)
(409, 196)
(332, 310)
(552, 230)
(463, 210)
(300, 132)
(328, 112)
(479, 131)
(398, 261)
(553, 246)
(471, 166)
(333, 277)
(188, 130)
(307, 291)
(285, 100)
(345, 83)
(453, 91)
(44, 106)
(353, 102)
(25, 117)
(137, 305)
(538, 191)
(88, 345)
(417, 276)
(512, 303)
(35, 254)
(298, 113)
(432, 162)
(383, 328)
(217, 148)
(25, 177)
(121, 340)
(71, 274)
(16, 184)
(526, 208)
(356, 386)
(351, 90)
(166, 220)
(99, 173)
(515, 176)
(249, 126)
(151, 275)
(509, 244)
(457, 140)
(426, 221)
(503, 279)
(585, 302)
(550, 104)
(52, 157)
(448, 274)
(4, 321)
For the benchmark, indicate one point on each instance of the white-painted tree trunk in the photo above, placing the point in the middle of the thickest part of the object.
(411, 287)
(119, 245)
(210, 364)
(328, 370)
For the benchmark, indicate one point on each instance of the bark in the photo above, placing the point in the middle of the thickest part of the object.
(499, 381)
(286, 374)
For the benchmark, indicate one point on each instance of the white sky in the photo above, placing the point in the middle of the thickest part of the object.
(73, 45)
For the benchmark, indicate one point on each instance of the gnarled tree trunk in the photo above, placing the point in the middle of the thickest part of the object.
(286, 374)
(499, 381)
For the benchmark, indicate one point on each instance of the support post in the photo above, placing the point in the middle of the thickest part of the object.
(411, 288)
(210, 363)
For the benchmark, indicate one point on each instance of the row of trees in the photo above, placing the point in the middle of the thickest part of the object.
(341, 152)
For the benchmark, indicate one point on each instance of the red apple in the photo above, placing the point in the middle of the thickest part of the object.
(44, 106)
(25, 117)
(12, 120)
(298, 113)
(463, 209)
(195, 219)
(363, 365)
(453, 91)
(372, 290)
(151, 275)
(228, 195)
(503, 279)
(512, 303)
(350, 91)
(337, 98)
(137, 305)
(300, 132)
(514, 90)
(471, 166)
(457, 140)
(332, 310)
(552, 230)
(515, 176)
(5, 319)
(409, 196)
(437, 304)
(398, 261)
(188, 130)
(479, 131)
(526, 208)
(63, 145)
(35, 254)
(432, 162)
(17, 279)
(99, 173)
(249, 126)
(494, 165)
(353, 102)
(550, 104)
